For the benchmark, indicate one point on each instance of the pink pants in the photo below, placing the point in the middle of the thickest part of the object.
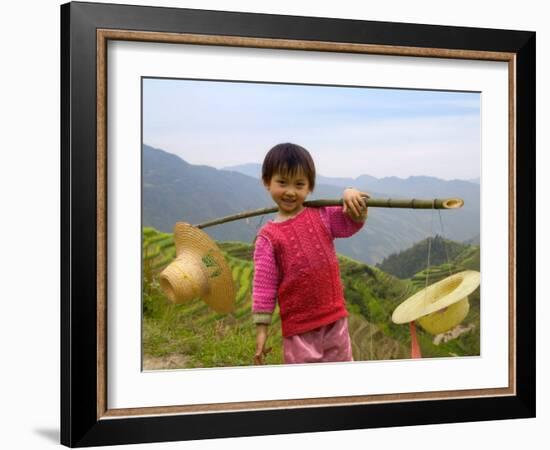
(329, 343)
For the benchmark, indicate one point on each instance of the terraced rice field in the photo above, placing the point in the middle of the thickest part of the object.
(193, 335)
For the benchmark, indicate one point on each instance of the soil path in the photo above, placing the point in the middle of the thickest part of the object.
(171, 361)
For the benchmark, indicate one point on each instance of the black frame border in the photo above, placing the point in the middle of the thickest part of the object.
(79, 424)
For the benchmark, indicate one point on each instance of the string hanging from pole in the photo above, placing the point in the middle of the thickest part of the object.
(415, 347)
(430, 237)
(449, 271)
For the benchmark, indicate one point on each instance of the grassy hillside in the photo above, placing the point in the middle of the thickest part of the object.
(193, 335)
(406, 263)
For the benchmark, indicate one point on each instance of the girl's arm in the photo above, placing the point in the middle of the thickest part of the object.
(264, 292)
(341, 221)
(265, 283)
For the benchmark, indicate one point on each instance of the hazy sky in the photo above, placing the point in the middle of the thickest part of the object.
(349, 131)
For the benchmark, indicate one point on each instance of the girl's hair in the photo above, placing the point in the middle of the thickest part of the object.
(288, 159)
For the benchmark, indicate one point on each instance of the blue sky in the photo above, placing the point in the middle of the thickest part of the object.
(349, 131)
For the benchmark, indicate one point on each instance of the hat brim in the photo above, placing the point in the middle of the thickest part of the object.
(194, 242)
(437, 296)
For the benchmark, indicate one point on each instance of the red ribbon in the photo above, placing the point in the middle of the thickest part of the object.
(415, 348)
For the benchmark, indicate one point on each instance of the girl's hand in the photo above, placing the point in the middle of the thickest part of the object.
(259, 357)
(354, 204)
(261, 351)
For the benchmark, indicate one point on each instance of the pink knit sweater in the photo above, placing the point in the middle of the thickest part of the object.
(268, 281)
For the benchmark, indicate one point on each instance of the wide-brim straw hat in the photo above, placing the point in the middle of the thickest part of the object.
(198, 271)
(440, 306)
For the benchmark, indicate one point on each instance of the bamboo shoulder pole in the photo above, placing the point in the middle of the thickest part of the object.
(414, 203)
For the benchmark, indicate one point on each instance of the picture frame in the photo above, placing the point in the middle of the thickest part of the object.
(86, 418)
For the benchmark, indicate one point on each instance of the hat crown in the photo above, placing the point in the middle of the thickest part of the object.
(183, 281)
(199, 271)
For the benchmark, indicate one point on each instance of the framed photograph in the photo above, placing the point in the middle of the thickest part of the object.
(192, 139)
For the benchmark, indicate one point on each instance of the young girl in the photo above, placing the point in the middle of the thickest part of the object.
(295, 262)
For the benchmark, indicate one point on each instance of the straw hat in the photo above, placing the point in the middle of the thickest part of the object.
(442, 305)
(199, 271)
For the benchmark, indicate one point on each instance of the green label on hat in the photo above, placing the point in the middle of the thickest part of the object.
(210, 262)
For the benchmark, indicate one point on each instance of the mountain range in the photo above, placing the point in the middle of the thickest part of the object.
(386, 184)
(174, 190)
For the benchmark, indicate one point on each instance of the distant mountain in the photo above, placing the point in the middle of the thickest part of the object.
(419, 185)
(255, 170)
(174, 190)
(251, 169)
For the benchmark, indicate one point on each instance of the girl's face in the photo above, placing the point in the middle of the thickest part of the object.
(289, 192)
